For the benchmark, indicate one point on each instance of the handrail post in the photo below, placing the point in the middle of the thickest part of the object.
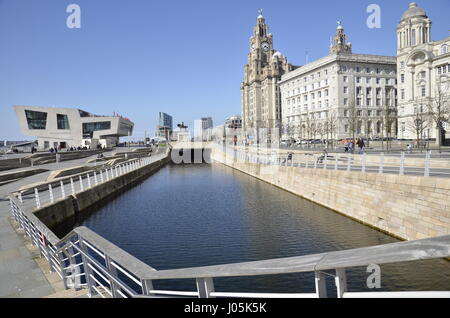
(81, 184)
(36, 195)
(341, 282)
(147, 286)
(205, 287)
(63, 193)
(363, 168)
(50, 191)
(402, 164)
(87, 270)
(101, 176)
(88, 180)
(95, 178)
(113, 273)
(321, 286)
(381, 168)
(427, 164)
(72, 185)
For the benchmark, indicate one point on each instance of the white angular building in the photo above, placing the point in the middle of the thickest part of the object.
(423, 77)
(71, 127)
(342, 95)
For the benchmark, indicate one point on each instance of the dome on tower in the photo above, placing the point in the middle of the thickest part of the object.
(277, 54)
(414, 11)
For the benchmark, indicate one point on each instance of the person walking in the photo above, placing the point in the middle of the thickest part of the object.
(361, 145)
(346, 146)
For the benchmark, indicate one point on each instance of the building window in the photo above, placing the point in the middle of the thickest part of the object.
(444, 49)
(402, 78)
(423, 74)
(402, 94)
(378, 80)
(345, 113)
(345, 90)
(345, 101)
(358, 102)
(423, 91)
(358, 70)
(36, 120)
(345, 78)
(62, 121)
(358, 80)
(369, 102)
(89, 128)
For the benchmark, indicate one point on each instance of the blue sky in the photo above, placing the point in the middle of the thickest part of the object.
(183, 57)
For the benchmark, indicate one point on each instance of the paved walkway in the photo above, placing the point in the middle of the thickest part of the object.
(20, 275)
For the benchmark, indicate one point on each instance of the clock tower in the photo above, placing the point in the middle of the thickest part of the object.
(260, 94)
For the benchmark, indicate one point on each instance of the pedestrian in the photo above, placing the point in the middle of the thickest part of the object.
(361, 145)
(351, 147)
(346, 146)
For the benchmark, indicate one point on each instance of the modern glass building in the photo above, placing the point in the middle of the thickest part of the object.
(165, 126)
(71, 127)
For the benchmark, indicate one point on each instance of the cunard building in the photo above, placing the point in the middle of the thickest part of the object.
(423, 78)
(260, 95)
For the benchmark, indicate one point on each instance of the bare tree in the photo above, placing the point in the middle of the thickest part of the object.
(352, 117)
(419, 123)
(388, 120)
(438, 109)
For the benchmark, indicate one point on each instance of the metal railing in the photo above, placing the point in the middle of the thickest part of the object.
(84, 259)
(335, 161)
(35, 198)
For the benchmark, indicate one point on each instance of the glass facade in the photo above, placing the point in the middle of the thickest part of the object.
(36, 120)
(89, 128)
(62, 121)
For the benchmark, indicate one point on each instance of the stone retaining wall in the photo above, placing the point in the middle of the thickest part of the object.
(407, 207)
(68, 207)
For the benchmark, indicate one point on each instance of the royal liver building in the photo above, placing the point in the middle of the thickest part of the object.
(260, 95)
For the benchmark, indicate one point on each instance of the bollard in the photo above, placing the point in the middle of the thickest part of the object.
(95, 178)
(381, 163)
(81, 184)
(36, 195)
(50, 191)
(336, 162)
(306, 163)
(20, 198)
(106, 174)
(315, 162)
(325, 159)
(73, 187)
(101, 176)
(88, 180)
(349, 167)
(63, 194)
(402, 164)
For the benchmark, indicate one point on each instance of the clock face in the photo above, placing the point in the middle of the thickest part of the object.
(265, 46)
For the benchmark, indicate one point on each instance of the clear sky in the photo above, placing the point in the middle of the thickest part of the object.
(183, 57)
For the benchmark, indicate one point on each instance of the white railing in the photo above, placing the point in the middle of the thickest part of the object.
(48, 193)
(335, 161)
(84, 259)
